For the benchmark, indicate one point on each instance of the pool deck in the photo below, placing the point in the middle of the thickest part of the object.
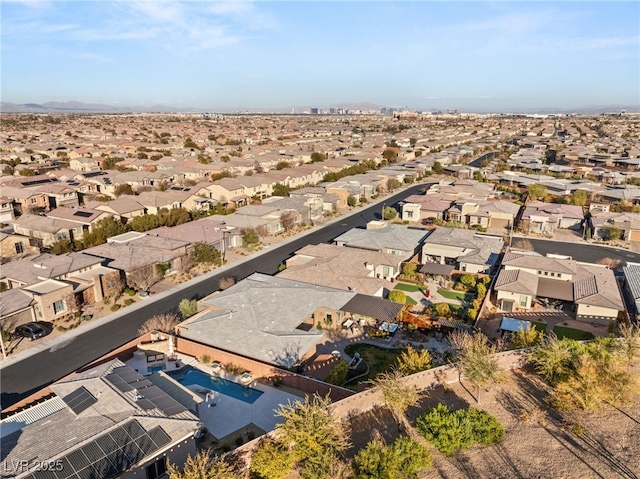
(223, 415)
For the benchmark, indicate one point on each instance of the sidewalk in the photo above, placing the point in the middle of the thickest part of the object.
(63, 340)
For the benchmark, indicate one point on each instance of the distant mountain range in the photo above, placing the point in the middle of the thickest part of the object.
(79, 107)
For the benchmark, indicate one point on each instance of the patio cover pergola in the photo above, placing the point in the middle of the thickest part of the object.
(437, 268)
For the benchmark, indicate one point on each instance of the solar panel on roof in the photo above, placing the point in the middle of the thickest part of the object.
(128, 374)
(83, 214)
(79, 400)
(145, 404)
(119, 383)
(109, 458)
(162, 400)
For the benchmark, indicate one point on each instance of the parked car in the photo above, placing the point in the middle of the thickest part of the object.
(30, 331)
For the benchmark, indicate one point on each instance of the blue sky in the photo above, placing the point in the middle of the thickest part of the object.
(421, 54)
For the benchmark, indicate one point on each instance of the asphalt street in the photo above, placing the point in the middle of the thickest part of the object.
(20, 379)
(587, 253)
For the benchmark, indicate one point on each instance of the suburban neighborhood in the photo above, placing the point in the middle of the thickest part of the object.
(106, 216)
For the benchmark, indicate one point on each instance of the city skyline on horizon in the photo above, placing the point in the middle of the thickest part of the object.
(269, 55)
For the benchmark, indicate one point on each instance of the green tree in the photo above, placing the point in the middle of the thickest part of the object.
(62, 247)
(317, 157)
(314, 434)
(411, 456)
(409, 269)
(338, 374)
(390, 154)
(281, 190)
(205, 253)
(105, 228)
(281, 165)
(477, 175)
(437, 168)
(271, 460)
(442, 309)
(468, 280)
(389, 213)
(398, 396)
(552, 359)
(481, 290)
(536, 191)
(187, 308)
(398, 296)
(412, 361)
(123, 189)
(476, 359)
(27, 172)
(579, 198)
(527, 338)
(144, 223)
(352, 201)
(202, 466)
(250, 237)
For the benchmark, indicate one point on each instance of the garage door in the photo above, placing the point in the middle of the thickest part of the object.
(635, 236)
(498, 223)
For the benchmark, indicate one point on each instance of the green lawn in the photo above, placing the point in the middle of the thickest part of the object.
(411, 288)
(456, 308)
(455, 295)
(410, 301)
(563, 332)
(540, 326)
(378, 359)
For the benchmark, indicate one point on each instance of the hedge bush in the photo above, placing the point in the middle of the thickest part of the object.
(451, 430)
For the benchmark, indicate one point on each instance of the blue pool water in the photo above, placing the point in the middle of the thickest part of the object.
(190, 376)
(155, 369)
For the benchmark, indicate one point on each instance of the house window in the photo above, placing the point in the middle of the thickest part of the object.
(553, 275)
(523, 301)
(540, 273)
(19, 247)
(409, 214)
(34, 200)
(157, 469)
(559, 275)
(546, 273)
(59, 306)
(385, 271)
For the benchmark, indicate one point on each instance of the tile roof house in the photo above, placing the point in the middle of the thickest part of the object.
(105, 422)
(351, 269)
(467, 250)
(266, 318)
(591, 287)
(383, 237)
(540, 217)
(419, 207)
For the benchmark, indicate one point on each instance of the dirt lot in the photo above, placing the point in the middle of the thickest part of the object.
(539, 443)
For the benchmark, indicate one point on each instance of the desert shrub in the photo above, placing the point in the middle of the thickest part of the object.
(451, 430)
(128, 302)
(206, 359)
(468, 280)
(338, 374)
(187, 308)
(115, 307)
(442, 309)
(404, 458)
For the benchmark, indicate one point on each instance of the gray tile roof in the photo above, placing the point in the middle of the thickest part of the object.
(517, 281)
(377, 308)
(259, 318)
(58, 432)
(397, 237)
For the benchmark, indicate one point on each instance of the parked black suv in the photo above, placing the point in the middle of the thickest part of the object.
(30, 331)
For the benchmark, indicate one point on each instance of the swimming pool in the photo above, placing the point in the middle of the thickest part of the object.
(190, 376)
(155, 369)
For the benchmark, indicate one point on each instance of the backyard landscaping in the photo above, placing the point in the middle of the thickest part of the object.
(411, 288)
(456, 295)
(577, 334)
(378, 359)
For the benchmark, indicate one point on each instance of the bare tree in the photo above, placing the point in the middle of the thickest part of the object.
(143, 278)
(163, 322)
(226, 283)
(398, 396)
(288, 220)
(609, 262)
(523, 244)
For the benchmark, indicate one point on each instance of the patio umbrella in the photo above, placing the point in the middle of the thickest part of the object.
(171, 350)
